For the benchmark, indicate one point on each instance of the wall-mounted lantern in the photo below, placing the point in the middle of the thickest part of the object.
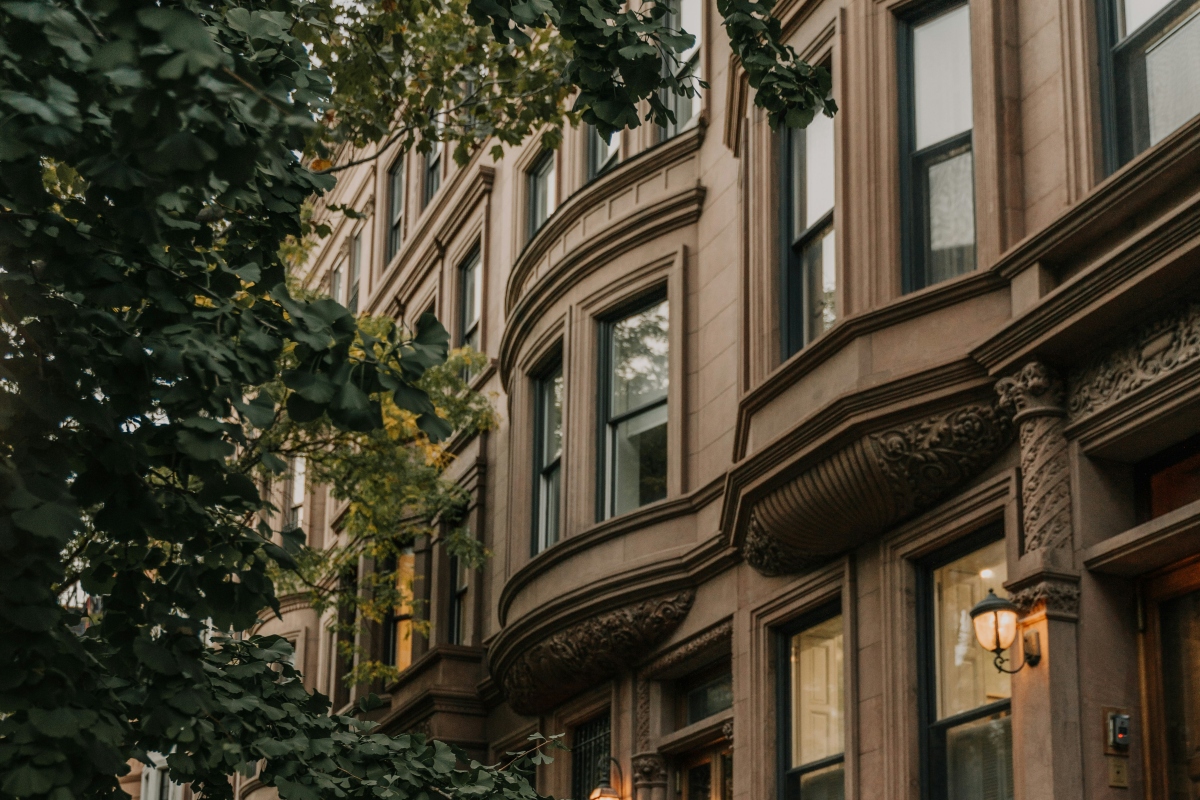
(995, 620)
(605, 790)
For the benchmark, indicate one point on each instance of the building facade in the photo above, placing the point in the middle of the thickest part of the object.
(779, 409)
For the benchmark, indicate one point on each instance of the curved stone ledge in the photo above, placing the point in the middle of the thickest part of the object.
(871, 484)
(587, 652)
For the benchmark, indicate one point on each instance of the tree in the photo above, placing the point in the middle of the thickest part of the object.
(149, 175)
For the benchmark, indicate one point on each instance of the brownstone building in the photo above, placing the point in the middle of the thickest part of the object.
(778, 410)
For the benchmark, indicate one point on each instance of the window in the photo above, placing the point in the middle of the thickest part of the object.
(543, 191)
(1169, 480)
(601, 154)
(684, 15)
(470, 294)
(810, 263)
(295, 489)
(356, 253)
(336, 279)
(708, 696)
(156, 781)
(1152, 70)
(591, 746)
(548, 458)
(812, 708)
(398, 623)
(707, 775)
(937, 165)
(1172, 659)
(395, 208)
(433, 171)
(965, 701)
(634, 410)
(460, 585)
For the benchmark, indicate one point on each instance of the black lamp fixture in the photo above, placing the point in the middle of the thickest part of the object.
(605, 790)
(995, 621)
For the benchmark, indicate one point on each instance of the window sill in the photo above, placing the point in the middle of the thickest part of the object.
(1149, 546)
(704, 733)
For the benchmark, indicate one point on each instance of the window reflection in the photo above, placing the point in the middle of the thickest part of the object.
(816, 702)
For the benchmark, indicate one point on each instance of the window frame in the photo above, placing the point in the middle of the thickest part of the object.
(432, 173)
(914, 163)
(794, 328)
(577, 748)
(594, 168)
(544, 165)
(456, 627)
(473, 260)
(354, 274)
(539, 541)
(688, 69)
(785, 773)
(606, 464)
(293, 518)
(932, 731)
(392, 618)
(396, 204)
(1116, 123)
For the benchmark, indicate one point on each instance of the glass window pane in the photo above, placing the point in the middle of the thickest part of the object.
(1180, 623)
(639, 359)
(817, 693)
(640, 460)
(335, 284)
(1175, 486)
(699, 782)
(951, 184)
(711, 698)
(552, 399)
(820, 269)
(727, 776)
(1137, 12)
(549, 498)
(827, 783)
(1173, 79)
(472, 299)
(966, 678)
(818, 168)
(942, 76)
(590, 748)
(979, 759)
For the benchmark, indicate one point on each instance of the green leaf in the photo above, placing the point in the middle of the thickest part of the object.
(26, 781)
(50, 520)
(61, 722)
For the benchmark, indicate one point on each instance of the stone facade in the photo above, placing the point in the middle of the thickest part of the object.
(1028, 397)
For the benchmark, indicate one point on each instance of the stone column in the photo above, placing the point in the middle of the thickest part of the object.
(1047, 744)
(649, 777)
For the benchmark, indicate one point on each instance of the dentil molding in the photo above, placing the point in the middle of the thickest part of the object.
(571, 660)
(871, 484)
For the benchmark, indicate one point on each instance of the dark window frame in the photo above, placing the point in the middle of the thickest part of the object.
(787, 775)
(914, 191)
(396, 177)
(1116, 116)
(594, 168)
(606, 465)
(473, 260)
(1147, 468)
(354, 276)
(674, 20)
(432, 178)
(542, 381)
(794, 328)
(391, 619)
(932, 738)
(456, 632)
(545, 162)
(586, 761)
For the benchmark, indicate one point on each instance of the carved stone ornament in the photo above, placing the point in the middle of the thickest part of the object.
(870, 485)
(1055, 596)
(1151, 353)
(649, 769)
(727, 731)
(590, 651)
(686, 653)
(1036, 394)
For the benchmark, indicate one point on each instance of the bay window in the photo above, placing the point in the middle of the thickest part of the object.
(543, 191)
(548, 459)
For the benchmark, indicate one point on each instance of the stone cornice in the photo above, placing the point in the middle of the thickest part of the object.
(845, 331)
(875, 481)
(685, 653)
(575, 658)
(601, 532)
(843, 420)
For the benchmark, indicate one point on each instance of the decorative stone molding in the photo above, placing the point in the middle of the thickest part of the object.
(1149, 354)
(587, 652)
(1036, 394)
(641, 725)
(649, 769)
(1054, 596)
(871, 484)
(727, 731)
(688, 651)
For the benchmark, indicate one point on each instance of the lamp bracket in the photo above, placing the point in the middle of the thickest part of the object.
(1032, 654)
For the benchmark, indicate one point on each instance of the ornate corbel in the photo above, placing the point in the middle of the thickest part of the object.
(590, 651)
